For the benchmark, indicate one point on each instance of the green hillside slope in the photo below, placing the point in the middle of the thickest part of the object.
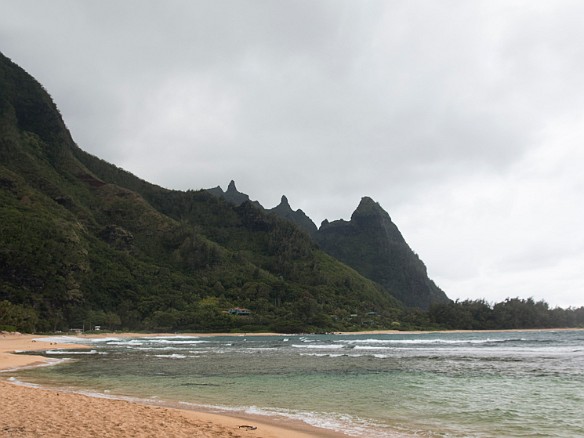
(85, 243)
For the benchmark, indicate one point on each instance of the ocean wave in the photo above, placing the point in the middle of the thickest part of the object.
(171, 356)
(15, 381)
(344, 423)
(319, 346)
(50, 361)
(125, 343)
(68, 352)
(249, 350)
(169, 341)
(65, 340)
(99, 340)
(328, 354)
(154, 348)
(352, 355)
(347, 424)
(428, 341)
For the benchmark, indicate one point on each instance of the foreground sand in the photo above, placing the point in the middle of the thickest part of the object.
(35, 412)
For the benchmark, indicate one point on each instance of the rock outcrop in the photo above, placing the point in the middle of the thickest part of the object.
(373, 245)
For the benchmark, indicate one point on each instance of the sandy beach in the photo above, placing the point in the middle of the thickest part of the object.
(43, 412)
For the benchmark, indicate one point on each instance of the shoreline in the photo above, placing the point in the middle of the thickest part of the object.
(31, 411)
(53, 411)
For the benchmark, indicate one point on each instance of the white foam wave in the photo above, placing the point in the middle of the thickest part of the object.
(125, 343)
(15, 381)
(171, 356)
(326, 354)
(333, 355)
(154, 348)
(68, 352)
(64, 340)
(320, 346)
(347, 424)
(425, 341)
(98, 340)
(49, 362)
(169, 341)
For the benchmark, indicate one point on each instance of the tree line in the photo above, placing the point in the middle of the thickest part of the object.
(512, 313)
(207, 315)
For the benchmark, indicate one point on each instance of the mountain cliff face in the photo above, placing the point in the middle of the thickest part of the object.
(282, 210)
(83, 242)
(372, 245)
(232, 195)
(297, 217)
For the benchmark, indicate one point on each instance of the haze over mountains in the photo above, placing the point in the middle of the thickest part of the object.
(86, 243)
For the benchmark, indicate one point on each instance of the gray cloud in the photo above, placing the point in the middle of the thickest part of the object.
(461, 118)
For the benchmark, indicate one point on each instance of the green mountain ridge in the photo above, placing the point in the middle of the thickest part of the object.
(83, 243)
(370, 243)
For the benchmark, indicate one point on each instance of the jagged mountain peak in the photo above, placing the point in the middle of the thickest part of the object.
(298, 217)
(231, 187)
(368, 207)
(373, 245)
(371, 216)
(232, 195)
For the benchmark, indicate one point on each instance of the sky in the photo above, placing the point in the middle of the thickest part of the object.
(463, 119)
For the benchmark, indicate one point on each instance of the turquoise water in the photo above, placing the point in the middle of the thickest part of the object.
(520, 384)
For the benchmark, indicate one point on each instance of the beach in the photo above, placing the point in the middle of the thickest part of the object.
(382, 384)
(35, 412)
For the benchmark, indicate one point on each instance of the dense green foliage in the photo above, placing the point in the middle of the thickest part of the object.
(84, 243)
(513, 313)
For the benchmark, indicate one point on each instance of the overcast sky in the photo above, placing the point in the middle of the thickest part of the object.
(463, 119)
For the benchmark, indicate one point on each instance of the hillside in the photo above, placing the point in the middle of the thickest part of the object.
(85, 243)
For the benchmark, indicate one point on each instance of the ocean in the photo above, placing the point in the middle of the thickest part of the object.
(480, 384)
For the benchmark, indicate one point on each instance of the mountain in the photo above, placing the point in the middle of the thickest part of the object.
(283, 210)
(297, 217)
(83, 243)
(372, 244)
(232, 195)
